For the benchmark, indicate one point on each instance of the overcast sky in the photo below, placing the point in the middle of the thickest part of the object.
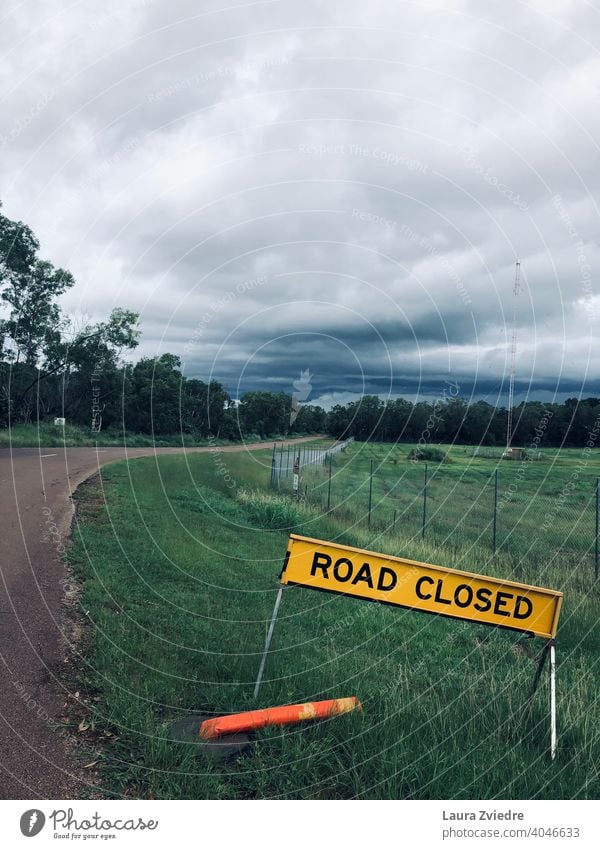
(342, 186)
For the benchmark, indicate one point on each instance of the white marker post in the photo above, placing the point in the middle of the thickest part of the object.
(553, 734)
(549, 651)
(268, 642)
(296, 476)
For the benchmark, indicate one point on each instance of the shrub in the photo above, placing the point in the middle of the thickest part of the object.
(428, 454)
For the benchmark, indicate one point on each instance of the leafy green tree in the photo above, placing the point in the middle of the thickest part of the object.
(204, 408)
(34, 319)
(396, 419)
(93, 350)
(28, 289)
(338, 422)
(528, 416)
(18, 248)
(477, 424)
(584, 419)
(264, 413)
(152, 403)
(310, 419)
(420, 420)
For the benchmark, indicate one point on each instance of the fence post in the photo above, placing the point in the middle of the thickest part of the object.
(394, 523)
(329, 484)
(296, 476)
(370, 493)
(597, 528)
(424, 503)
(495, 523)
(273, 466)
(287, 467)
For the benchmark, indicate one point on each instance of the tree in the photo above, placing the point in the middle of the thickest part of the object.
(421, 422)
(152, 401)
(528, 416)
(46, 364)
(34, 319)
(366, 416)
(204, 408)
(447, 420)
(396, 419)
(477, 423)
(310, 419)
(28, 288)
(265, 413)
(94, 349)
(18, 249)
(338, 422)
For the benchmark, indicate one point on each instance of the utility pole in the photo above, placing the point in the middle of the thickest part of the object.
(513, 360)
(370, 493)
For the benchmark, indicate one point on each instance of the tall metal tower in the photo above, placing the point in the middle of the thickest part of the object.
(513, 359)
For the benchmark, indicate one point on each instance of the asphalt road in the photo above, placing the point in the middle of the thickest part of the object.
(36, 510)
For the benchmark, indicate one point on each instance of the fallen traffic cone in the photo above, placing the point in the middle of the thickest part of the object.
(285, 715)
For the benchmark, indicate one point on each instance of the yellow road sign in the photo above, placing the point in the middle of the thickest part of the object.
(321, 565)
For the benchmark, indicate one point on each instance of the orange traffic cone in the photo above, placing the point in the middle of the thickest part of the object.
(284, 715)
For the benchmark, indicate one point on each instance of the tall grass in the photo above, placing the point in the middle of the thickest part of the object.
(180, 574)
(48, 435)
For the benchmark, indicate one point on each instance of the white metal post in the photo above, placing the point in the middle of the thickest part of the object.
(268, 642)
(553, 735)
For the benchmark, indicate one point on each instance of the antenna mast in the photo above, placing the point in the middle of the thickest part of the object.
(513, 359)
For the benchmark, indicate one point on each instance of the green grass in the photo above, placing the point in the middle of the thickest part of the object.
(546, 506)
(179, 571)
(49, 435)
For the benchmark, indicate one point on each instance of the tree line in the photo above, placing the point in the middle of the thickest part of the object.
(51, 368)
(453, 420)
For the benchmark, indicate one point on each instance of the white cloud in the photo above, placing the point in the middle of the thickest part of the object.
(392, 161)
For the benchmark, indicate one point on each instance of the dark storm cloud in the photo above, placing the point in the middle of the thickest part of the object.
(342, 187)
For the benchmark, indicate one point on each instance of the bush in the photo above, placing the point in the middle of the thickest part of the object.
(428, 454)
(252, 437)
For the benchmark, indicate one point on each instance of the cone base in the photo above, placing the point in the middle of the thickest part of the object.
(186, 730)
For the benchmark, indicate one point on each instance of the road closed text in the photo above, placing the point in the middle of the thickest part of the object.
(322, 565)
(481, 599)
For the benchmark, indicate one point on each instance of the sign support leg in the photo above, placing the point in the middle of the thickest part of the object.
(538, 671)
(549, 651)
(553, 734)
(263, 661)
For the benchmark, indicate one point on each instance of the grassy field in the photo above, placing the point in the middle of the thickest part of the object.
(545, 506)
(48, 435)
(179, 567)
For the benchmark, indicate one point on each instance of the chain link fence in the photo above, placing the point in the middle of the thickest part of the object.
(286, 459)
(503, 508)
